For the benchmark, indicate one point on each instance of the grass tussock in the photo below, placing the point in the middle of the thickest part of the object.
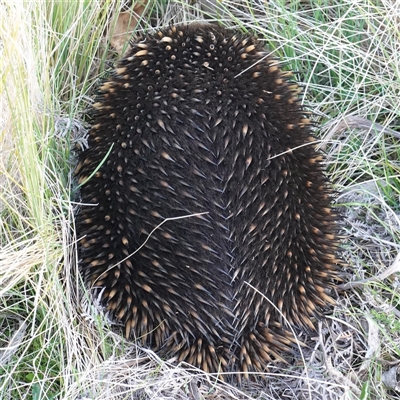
(53, 341)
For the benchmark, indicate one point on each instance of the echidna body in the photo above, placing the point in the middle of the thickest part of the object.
(206, 225)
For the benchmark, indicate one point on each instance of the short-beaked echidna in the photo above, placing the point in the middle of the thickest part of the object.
(199, 120)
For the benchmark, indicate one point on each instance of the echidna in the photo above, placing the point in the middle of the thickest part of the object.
(206, 225)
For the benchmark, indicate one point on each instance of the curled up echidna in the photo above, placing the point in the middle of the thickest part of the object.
(206, 226)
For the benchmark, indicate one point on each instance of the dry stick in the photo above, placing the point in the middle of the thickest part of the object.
(339, 377)
(354, 121)
(395, 267)
(373, 348)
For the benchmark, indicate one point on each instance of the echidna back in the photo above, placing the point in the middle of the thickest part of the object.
(209, 227)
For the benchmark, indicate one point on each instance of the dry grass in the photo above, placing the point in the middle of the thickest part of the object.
(54, 343)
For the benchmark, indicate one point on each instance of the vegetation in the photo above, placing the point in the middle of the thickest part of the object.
(54, 343)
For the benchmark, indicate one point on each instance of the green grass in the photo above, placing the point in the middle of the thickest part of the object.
(53, 342)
